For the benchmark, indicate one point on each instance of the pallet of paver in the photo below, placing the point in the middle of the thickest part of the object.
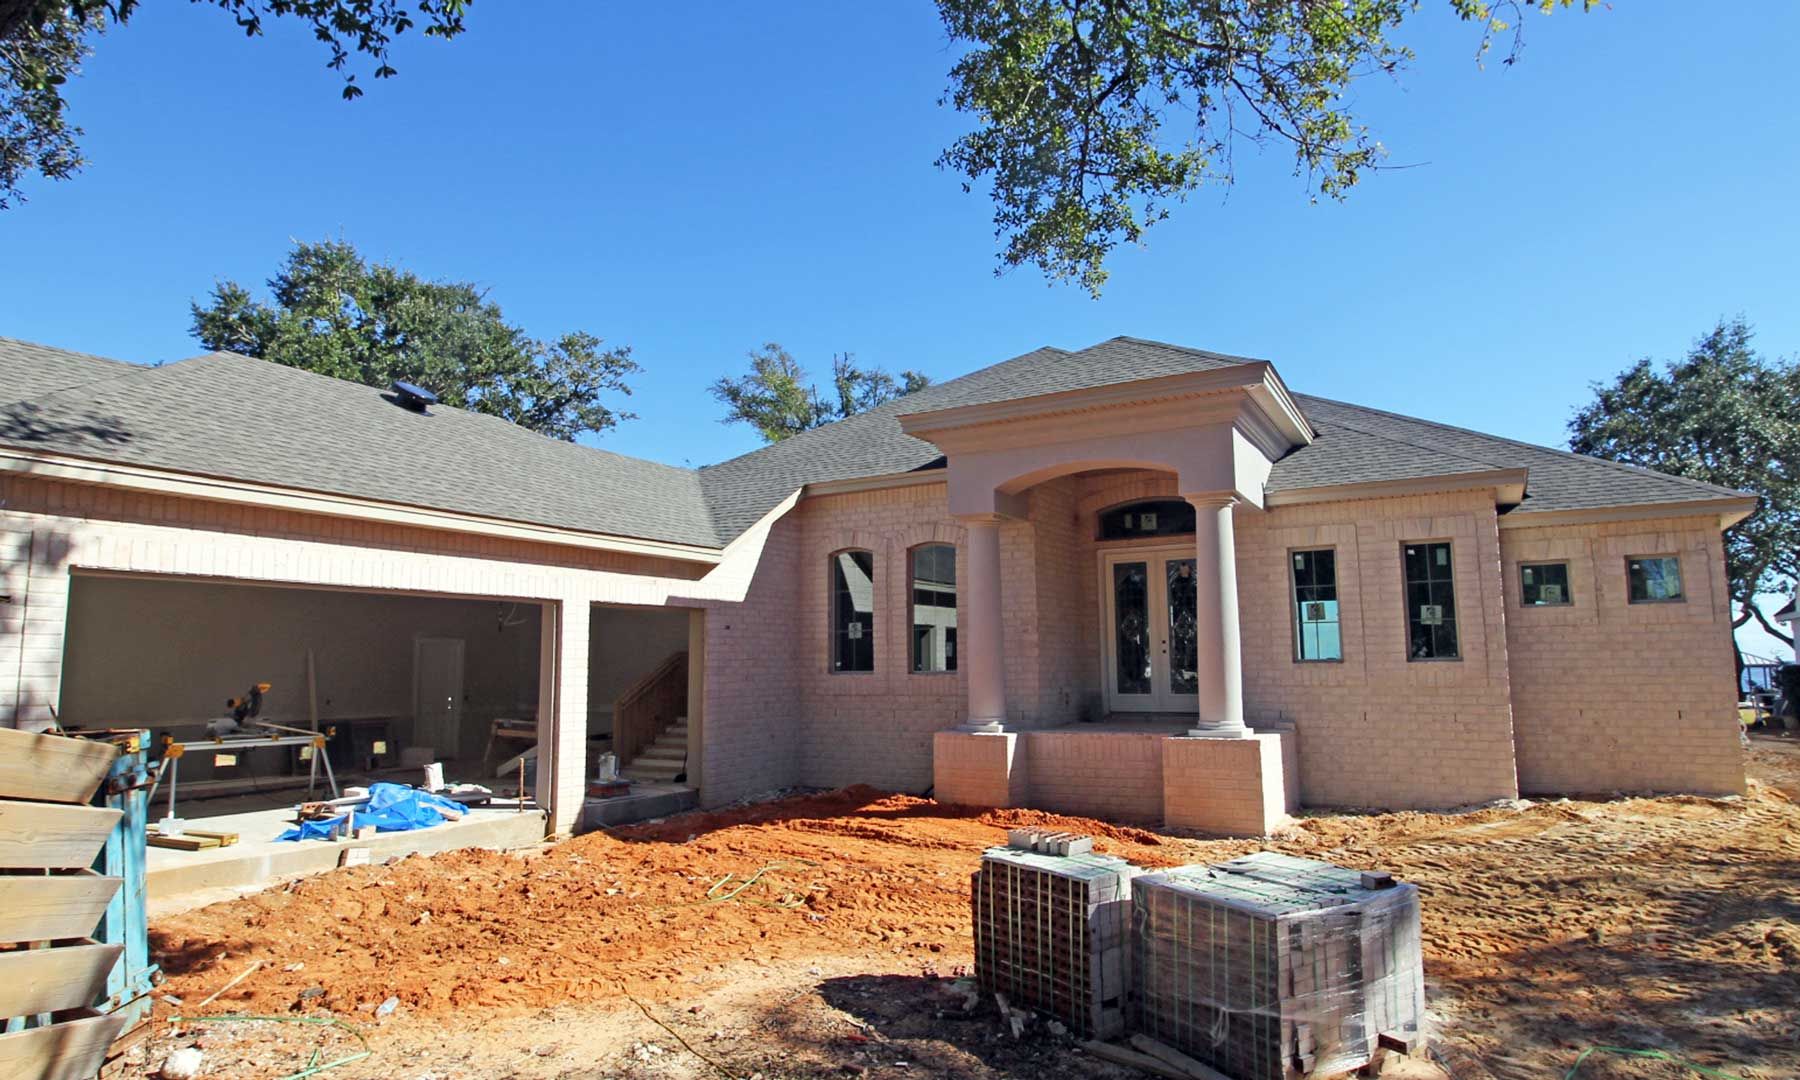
(1275, 968)
(1051, 934)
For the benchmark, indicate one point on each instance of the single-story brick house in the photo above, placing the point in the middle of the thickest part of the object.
(1135, 580)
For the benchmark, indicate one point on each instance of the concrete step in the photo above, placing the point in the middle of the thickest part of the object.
(640, 805)
(659, 752)
(663, 771)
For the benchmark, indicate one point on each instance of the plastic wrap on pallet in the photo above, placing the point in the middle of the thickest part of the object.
(1051, 933)
(1271, 967)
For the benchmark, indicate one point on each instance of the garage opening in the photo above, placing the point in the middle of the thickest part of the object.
(400, 680)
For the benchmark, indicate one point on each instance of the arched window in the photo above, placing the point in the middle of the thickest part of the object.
(853, 611)
(1151, 517)
(933, 608)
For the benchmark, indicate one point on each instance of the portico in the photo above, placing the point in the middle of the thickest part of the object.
(1214, 435)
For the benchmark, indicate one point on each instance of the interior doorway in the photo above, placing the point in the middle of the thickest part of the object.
(438, 694)
(1147, 629)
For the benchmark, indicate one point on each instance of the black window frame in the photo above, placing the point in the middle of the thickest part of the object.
(1312, 587)
(861, 648)
(913, 600)
(1631, 596)
(1568, 586)
(1431, 590)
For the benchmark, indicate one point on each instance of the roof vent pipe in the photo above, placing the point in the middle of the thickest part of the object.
(410, 396)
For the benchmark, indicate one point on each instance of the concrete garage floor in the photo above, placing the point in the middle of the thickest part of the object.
(182, 880)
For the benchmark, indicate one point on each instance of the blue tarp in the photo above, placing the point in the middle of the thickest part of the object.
(391, 808)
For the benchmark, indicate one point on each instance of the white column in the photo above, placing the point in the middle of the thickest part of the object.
(1218, 653)
(981, 643)
(562, 712)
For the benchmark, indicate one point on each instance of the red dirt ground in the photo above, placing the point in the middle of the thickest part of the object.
(1671, 923)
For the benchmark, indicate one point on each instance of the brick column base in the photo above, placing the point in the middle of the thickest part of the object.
(978, 769)
(1228, 787)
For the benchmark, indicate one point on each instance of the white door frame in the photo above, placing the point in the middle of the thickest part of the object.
(1160, 698)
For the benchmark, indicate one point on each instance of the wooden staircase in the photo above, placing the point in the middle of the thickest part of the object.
(650, 728)
(663, 760)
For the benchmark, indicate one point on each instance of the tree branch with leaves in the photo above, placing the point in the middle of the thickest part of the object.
(332, 313)
(43, 42)
(1093, 117)
(778, 400)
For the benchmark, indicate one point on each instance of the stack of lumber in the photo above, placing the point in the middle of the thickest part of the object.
(190, 839)
(51, 972)
(1270, 967)
(1050, 934)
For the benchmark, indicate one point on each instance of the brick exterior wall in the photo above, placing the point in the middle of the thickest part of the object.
(1602, 695)
(1378, 729)
(1114, 775)
(1614, 696)
(751, 721)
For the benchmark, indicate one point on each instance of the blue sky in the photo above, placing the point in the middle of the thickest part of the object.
(694, 186)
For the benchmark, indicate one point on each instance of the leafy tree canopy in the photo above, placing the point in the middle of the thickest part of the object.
(778, 400)
(332, 313)
(1726, 415)
(1093, 116)
(42, 44)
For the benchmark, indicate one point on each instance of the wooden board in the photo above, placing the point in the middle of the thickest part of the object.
(70, 1050)
(52, 835)
(58, 906)
(52, 768)
(51, 980)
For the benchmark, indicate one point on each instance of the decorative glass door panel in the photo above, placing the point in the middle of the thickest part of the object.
(1178, 575)
(1133, 670)
(1149, 631)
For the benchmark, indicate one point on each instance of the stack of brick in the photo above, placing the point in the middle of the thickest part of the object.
(1270, 967)
(1051, 932)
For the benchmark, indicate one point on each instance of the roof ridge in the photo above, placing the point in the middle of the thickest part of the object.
(1635, 470)
(884, 408)
(1230, 358)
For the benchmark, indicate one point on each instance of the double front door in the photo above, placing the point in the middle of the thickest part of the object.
(1148, 630)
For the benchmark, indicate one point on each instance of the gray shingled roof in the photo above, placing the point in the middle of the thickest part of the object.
(1787, 612)
(28, 371)
(235, 417)
(230, 416)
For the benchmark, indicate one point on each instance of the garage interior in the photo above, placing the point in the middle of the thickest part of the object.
(401, 680)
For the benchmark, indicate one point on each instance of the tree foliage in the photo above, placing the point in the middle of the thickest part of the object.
(331, 312)
(777, 398)
(43, 42)
(1093, 116)
(1722, 414)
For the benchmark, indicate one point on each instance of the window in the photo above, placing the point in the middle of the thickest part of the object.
(1654, 579)
(1316, 606)
(934, 608)
(1430, 603)
(1544, 584)
(1158, 517)
(853, 611)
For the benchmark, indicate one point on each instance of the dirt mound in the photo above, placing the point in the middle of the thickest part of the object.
(655, 910)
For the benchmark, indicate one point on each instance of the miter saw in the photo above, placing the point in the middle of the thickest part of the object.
(248, 707)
